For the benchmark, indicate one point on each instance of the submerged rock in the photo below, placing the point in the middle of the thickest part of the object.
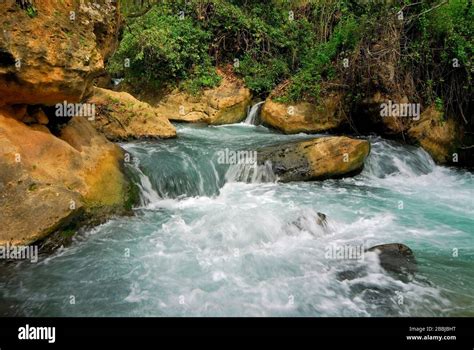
(322, 220)
(224, 104)
(395, 257)
(303, 116)
(120, 116)
(316, 159)
(307, 223)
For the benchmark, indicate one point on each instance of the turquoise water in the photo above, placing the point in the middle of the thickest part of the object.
(213, 239)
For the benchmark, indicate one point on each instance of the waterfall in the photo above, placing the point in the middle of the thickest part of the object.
(253, 173)
(252, 116)
(147, 192)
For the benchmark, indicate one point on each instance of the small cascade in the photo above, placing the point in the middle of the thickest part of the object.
(388, 158)
(251, 173)
(147, 192)
(253, 114)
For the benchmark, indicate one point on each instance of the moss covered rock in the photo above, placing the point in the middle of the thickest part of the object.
(224, 104)
(120, 116)
(316, 159)
(303, 116)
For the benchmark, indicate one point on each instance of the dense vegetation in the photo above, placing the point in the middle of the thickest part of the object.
(298, 48)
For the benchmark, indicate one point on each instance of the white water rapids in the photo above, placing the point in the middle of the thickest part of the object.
(216, 240)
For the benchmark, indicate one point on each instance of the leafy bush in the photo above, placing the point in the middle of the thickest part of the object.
(295, 46)
(317, 64)
(160, 48)
(262, 76)
(439, 53)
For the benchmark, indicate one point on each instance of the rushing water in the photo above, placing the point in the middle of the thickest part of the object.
(253, 114)
(212, 239)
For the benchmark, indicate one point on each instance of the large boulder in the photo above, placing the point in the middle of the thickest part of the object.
(316, 159)
(47, 181)
(446, 138)
(54, 171)
(224, 104)
(51, 51)
(120, 116)
(304, 116)
(368, 116)
(439, 137)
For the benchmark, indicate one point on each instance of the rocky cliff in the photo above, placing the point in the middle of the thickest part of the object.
(55, 168)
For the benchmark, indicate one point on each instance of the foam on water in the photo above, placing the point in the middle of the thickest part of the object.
(213, 240)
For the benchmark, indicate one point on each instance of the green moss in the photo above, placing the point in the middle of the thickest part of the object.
(133, 191)
(31, 11)
(68, 233)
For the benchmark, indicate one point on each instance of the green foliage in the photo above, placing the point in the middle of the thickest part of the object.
(31, 12)
(439, 104)
(440, 51)
(160, 48)
(453, 25)
(203, 77)
(261, 76)
(180, 43)
(317, 63)
(291, 47)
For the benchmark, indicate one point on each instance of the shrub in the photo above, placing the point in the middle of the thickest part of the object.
(164, 49)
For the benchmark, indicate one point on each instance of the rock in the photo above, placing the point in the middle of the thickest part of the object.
(40, 117)
(19, 112)
(120, 116)
(65, 173)
(322, 220)
(40, 127)
(224, 104)
(368, 115)
(437, 136)
(30, 212)
(303, 116)
(316, 159)
(104, 183)
(47, 58)
(443, 137)
(48, 181)
(29, 120)
(395, 257)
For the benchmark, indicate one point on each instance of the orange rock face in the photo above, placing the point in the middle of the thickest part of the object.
(303, 116)
(54, 170)
(46, 181)
(224, 104)
(51, 51)
(120, 116)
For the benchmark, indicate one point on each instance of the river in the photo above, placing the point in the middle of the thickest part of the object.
(210, 239)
